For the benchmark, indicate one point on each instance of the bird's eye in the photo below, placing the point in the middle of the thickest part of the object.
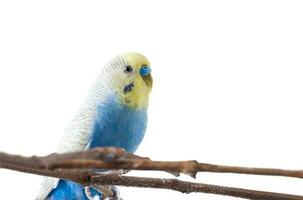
(128, 69)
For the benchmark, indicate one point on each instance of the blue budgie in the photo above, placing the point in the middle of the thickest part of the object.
(113, 114)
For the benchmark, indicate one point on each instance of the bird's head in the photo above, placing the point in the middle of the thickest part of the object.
(130, 77)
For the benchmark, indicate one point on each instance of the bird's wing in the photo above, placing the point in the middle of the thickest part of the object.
(78, 133)
(75, 139)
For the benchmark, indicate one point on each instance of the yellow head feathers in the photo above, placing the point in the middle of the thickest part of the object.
(136, 60)
(130, 77)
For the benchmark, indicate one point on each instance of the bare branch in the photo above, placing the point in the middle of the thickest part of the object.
(115, 158)
(189, 187)
(79, 166)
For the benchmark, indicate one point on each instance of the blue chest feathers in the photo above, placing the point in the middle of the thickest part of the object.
(118, 125)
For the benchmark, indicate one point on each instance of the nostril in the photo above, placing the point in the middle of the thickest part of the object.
(145, 70)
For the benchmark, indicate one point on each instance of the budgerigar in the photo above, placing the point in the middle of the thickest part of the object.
(113, 114)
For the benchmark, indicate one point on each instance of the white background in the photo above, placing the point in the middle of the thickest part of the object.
(227, 82)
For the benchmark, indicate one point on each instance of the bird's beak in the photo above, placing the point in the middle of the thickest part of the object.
(145, 72)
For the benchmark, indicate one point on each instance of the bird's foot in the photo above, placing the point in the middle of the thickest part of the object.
(89, 194)
(116, 192)
(108, 192)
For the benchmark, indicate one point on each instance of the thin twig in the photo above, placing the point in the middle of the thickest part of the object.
(186, 167)
(189, 187)
(115, 158)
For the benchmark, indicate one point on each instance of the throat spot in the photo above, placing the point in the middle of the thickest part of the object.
(127, 100)
(128, 88)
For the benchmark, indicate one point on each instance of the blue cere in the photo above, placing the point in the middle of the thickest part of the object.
(145, 70)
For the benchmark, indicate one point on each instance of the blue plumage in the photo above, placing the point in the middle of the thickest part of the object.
(118, 125)
(115, 125)
(68, 190)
